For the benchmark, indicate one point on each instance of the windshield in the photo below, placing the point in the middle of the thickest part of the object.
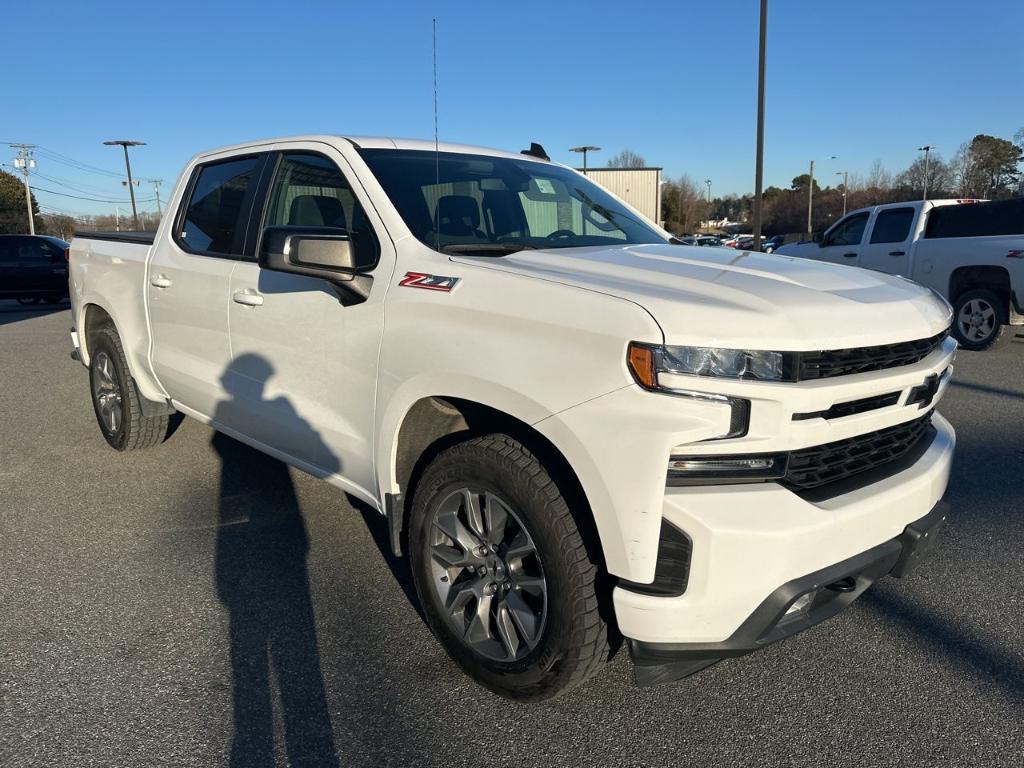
(489, 205)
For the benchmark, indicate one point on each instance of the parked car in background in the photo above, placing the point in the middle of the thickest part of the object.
(573, 427)
(707, 240)
(33, 268)
(772, 243)
(970, 252)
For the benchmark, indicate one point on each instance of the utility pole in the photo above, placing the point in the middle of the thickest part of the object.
(584, 149)
(117, 219)
(846, 177)
(759, 162)
(927, 148)
(26, 163)
(156, 188)
(810, 201)
(124, 143)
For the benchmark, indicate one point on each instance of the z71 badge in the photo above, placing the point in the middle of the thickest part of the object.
(429, 282)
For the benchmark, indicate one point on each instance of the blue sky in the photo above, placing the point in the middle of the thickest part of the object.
(674, 81)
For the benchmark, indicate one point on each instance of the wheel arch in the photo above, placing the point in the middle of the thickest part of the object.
(433, 423)
(988, 276)
(94, 316)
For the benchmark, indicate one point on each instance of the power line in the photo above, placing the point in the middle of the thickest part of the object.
(78, 164)
(93, 199)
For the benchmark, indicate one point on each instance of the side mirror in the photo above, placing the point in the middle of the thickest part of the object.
(324, 252)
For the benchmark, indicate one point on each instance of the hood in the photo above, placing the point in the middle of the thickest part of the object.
(741, 299)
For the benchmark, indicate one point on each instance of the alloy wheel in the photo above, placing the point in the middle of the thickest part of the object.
(977, 320)
(107, 393)
(487, 574)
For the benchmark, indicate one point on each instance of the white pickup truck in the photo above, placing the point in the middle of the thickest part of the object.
(971, 252)
(576, 429)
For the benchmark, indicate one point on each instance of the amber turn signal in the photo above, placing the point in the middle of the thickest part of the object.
(640, 359)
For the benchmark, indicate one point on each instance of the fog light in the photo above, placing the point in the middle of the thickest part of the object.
(802, 603)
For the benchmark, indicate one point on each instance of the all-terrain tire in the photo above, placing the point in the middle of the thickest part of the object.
(131, 430)
(574, 643)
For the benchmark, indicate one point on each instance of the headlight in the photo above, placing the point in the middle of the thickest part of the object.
(646, 361)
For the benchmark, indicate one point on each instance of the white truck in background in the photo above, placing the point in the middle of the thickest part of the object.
(971, 252)
(573, 427)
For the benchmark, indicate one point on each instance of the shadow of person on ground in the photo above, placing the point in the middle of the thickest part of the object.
(262, 580)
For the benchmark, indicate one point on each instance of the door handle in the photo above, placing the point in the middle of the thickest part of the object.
(160, 281)
(897, 253)
(247, 297)
(849, 255)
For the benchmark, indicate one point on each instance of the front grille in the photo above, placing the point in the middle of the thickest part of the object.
(843, 362)
(822, 464)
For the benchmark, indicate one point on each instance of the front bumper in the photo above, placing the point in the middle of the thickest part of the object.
(795, 606)
(749, 541)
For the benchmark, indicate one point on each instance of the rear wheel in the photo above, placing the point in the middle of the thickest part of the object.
(502, 571)
(115, 398)
(979, 320)
(28, 300)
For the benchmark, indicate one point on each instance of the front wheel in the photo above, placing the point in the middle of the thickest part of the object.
(28, 301)
(503, 573)
(979, 320)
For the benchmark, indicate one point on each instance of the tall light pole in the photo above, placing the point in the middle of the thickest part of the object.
(810, 201)
(124, 143)
(759, 162)
(26, 163)
(584, 149)
(927, 148)
(846, 177)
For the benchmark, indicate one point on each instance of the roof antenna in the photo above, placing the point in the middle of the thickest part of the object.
(437, 156)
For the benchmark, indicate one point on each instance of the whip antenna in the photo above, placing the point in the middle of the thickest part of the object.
(437, 155)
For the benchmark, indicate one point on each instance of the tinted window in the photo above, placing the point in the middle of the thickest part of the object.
(1005, 217)
(849, 231)
(213, 221)
(310, 191)
(9, 250)
(450, 199)
(892, 225)
(36, 250)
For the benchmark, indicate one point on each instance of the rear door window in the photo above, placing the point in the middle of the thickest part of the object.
(215, 218)
(892, 225)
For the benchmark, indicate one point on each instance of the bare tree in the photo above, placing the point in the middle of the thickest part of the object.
(627, 158)
(941, 183)
(683, 205)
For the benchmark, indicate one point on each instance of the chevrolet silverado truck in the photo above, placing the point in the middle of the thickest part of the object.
(971, 252)
(577, 430)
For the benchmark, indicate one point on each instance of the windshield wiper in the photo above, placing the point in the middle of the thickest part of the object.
(499, 249)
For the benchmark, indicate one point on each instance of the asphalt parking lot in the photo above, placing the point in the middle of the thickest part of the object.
(130, 582)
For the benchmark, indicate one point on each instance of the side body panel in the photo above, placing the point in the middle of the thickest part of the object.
(303, 371)
(936, 259)
(111, 275)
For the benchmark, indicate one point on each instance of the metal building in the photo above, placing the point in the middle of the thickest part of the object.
(640, 187)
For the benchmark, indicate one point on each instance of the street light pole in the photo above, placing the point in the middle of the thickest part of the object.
(584, 149)
(927, 148)
(759, 162)
(810, 200)
(846, 176)
(124, 143)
